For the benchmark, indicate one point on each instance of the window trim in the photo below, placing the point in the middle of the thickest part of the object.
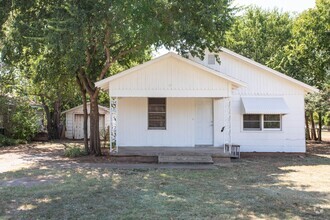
(262, 125)
(157, 128)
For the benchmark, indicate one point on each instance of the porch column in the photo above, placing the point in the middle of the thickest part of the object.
(112, 127)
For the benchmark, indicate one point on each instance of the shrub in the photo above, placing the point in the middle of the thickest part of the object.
(74, 151)
(24, 122)
(6, 141)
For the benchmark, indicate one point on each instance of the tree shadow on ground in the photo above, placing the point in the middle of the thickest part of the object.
(251, 188)
(281, 187)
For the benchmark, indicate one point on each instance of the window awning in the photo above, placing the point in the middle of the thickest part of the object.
(265, 105)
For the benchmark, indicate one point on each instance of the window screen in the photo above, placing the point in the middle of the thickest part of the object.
(272, 121)
(157, 113)
(251, 122)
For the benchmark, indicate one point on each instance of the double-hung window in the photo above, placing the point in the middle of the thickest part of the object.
(156, 113)
(251, 122)
(272, 122)
(259, 122)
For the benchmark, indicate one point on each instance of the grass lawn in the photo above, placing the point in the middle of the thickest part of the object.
(282, 187)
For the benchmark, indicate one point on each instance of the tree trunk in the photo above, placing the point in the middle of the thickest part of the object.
(48, 117)
(308, 136)
(57, 118)
(94, 125)
(85, 124)
(313, 132)
(320, 127)
(84, 98)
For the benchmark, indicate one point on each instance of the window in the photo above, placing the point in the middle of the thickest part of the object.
(211, 59)
(157, 113)
(251, 122)
(258, 122)
(272, 121)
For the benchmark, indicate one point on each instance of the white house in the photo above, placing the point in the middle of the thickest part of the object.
(74, 121)
(178, 102)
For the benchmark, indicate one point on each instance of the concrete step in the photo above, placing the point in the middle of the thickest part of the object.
(185, 159)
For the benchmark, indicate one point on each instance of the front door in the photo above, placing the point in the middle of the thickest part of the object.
(204, 121)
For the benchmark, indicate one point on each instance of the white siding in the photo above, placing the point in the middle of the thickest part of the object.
(290, 139)
(262, 83)
(259, 81)
(133, 129)
(170, 78)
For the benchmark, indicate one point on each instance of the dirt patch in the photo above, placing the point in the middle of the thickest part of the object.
(314, 147)
(25, 156)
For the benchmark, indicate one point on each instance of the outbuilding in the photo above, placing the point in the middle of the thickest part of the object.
(74, 121)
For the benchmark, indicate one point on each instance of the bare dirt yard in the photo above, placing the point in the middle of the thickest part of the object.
(37, 182)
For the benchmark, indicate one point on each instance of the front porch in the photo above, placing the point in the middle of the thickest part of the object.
(180, 155)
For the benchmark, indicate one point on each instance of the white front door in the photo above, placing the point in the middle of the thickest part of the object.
(203, 121)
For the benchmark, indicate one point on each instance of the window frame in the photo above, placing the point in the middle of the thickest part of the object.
(165, 113)
(262, 124)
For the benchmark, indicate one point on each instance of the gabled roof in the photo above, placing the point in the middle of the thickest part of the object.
(306, 87)
(104, 84)
(80, 106)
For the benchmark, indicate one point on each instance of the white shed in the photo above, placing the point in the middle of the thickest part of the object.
(177, 102)
(74, 121)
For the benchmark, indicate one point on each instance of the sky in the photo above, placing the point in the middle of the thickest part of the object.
(284, 5)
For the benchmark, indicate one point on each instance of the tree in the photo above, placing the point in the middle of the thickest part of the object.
(260, 35)
(90, 36)
(307, 58)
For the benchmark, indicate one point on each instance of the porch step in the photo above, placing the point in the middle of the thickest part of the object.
(185, 159)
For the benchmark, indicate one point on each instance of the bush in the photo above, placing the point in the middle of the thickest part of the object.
(24, 121)
(19, 119)
(74, 151)
(6, 141)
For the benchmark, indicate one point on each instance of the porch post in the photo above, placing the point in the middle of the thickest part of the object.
(113, 118)
(110, 124)
(227, 116)
(230, 123)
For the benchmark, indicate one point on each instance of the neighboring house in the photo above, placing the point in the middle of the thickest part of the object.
(74, 121)
(177, 102)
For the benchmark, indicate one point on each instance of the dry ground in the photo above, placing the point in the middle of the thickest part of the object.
(37, 182)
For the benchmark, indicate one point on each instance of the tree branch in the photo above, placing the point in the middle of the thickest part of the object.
(84, 80)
